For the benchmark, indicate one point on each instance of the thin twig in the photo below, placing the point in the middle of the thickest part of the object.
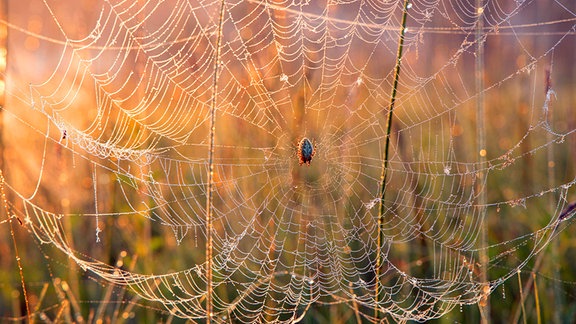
(385, 161)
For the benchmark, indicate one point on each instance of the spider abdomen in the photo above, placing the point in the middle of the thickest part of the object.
(305, 151)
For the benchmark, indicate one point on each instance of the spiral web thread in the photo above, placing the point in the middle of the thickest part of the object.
(127, 107)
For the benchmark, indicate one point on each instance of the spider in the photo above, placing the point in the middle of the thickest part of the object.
(306, 151)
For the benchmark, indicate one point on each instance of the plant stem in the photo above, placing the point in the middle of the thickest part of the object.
(536, 297)
(482, 152)
(385, 160)
(521, 297)
(10, 218)
(209, 226)
(552, 198)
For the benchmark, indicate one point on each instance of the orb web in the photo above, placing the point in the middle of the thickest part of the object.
(120, 120)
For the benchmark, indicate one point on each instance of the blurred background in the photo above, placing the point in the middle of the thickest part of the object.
(105, 144)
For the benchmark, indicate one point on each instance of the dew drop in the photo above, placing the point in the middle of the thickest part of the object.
(518, 202)
(371, 203)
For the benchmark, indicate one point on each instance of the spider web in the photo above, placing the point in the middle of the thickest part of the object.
(122, 111)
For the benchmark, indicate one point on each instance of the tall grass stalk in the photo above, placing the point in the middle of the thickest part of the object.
(3, 46)
(145, 253)
(537, 300)
(209, 226)
(385, 160)
(552, 198)
(75, 310)
(355, 306)
(528, 284)
(16, 253)
(65, 310)
(481, 151)
(39, 302)
(522, 298)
